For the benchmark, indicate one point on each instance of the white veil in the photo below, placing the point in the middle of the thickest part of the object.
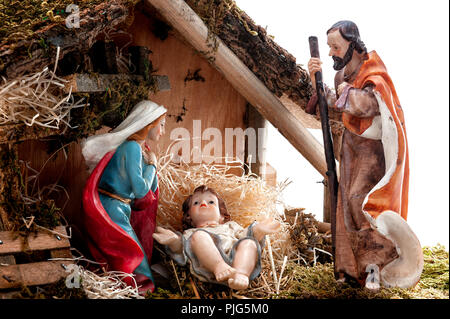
(142, 114)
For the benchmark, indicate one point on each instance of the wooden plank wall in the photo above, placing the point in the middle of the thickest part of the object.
(67, 169)
(215, 102)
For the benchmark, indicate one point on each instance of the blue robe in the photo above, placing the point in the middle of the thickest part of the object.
(128, 176)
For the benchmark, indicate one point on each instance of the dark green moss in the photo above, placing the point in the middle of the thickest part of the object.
(21, 19)
(56, 290)
(160, 293)
(44, 210)
(318, 282)
(435, 273)
(109, 108)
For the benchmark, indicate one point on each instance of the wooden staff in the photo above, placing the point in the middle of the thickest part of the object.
(332, 181)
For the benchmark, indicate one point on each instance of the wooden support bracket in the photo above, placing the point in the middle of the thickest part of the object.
(14, 274)
(99, 83)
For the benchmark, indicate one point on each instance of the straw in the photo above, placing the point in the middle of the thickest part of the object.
(37, 99)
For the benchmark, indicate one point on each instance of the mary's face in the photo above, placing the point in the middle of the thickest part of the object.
(156, 132)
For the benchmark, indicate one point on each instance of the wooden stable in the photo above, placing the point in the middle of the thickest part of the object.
(197, 84)
(214, 102)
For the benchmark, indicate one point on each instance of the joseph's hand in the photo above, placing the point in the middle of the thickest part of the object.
(341, 88)
(314, 65)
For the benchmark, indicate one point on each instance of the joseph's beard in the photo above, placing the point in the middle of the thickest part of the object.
(339, 63)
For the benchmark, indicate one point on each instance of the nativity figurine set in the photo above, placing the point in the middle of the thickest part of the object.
(373, 242)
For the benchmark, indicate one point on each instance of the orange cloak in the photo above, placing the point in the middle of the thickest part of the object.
(391, 193)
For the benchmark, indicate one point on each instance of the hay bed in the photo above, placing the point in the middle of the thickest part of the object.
(37, 99)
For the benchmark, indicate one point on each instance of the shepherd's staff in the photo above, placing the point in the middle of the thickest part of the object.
(332, 182)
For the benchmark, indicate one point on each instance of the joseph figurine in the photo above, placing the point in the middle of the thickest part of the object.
(374, 169)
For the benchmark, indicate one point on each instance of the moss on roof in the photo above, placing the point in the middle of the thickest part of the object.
(30, 30)
(272, 64)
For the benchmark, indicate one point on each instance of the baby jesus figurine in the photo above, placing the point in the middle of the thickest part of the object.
(219, 250)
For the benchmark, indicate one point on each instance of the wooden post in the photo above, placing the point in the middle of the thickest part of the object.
(103, 56)
(191, 27)
(257, 122)
(139, 58)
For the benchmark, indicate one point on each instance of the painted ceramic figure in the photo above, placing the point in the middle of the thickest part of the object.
(371, 230)
(120, 198)
(219, 250)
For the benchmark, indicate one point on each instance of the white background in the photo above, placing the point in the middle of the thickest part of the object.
(412, 38)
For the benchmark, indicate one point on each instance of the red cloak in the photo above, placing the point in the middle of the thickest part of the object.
(108, 242)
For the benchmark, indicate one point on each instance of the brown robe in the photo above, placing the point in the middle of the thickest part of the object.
(362, 166)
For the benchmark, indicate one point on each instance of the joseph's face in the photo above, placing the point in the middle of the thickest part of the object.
(338, 45)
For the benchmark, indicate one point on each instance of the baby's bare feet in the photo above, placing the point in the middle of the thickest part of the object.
(223, 271)
(238, 281)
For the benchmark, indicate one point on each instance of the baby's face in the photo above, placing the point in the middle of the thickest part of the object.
(204, 209)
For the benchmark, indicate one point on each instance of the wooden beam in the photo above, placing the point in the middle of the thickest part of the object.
(39, 273)
(13, 243)
(191, 27)
(100, 82)
(61, 253)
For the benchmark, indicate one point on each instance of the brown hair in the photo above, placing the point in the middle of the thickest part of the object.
(187, 222)
(349, 31)
(142, 133)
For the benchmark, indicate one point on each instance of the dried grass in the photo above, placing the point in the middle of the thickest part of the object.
(318, 282)
(108, 285)
(247, 196)
(37, 99)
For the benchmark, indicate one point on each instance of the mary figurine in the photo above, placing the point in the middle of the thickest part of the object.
(120, 198)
